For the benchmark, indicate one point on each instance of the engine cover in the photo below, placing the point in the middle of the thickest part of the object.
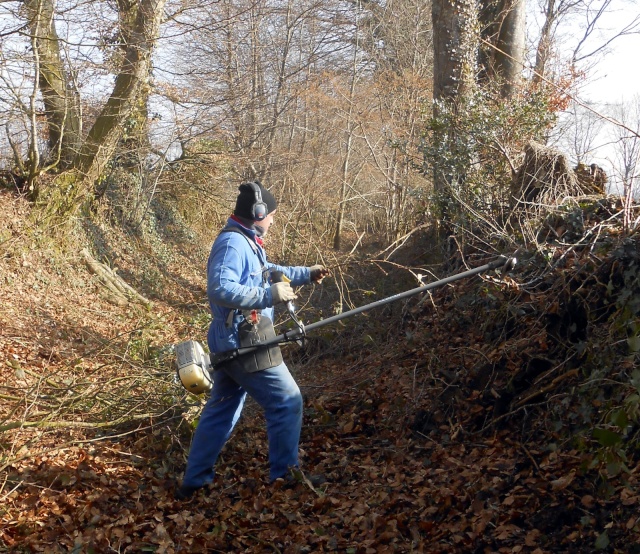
(193, 367)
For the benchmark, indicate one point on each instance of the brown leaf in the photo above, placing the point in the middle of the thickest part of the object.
(563, 482)
(587, 501)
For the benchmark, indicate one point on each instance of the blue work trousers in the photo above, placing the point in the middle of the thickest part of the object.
(275, 391)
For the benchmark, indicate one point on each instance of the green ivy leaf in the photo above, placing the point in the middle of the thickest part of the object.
(613, 469)
(602, 541)
(619, 419)
(606, 437)
(634, 343)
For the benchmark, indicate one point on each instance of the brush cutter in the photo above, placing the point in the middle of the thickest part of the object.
(194, 366)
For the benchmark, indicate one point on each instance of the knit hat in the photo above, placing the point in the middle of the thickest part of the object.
(247, 198)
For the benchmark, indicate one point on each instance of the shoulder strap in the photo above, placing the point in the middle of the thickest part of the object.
(231, 229)
(254, 247)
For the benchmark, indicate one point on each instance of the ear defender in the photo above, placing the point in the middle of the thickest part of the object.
(259, 210)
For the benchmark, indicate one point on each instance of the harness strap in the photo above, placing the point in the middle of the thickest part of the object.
(254, 247)
(233, 229)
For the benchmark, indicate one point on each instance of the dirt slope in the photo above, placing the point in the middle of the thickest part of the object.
(470, 431)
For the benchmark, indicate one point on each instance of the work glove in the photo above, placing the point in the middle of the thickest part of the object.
(318, 272)
(282, 292)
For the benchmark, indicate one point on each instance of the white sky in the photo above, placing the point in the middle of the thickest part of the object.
(616, 78)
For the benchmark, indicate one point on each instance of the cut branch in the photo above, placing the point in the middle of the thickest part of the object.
(119, 292)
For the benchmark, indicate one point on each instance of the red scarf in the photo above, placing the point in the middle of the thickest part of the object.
(239, 221)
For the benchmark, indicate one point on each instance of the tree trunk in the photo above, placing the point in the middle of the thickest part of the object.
(349, 129)
(544, 44)
(511, 46)
(454, 47)
(134, 142)
(103, 137)
(59, 95)
(337, 234)
(280, 93)
(501, 55)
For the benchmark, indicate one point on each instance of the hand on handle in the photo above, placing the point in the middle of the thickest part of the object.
(282, 292)
(318, 273)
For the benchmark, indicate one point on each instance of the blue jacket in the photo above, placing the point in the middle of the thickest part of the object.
(235, 282)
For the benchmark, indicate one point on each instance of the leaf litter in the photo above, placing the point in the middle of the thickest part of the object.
(452, 439)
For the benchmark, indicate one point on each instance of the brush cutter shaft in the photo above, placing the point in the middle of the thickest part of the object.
(493, 265)
(509, 263)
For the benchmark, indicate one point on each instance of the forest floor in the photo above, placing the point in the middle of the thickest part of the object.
(470, 430)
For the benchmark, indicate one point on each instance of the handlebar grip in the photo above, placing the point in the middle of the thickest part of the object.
(279, 277)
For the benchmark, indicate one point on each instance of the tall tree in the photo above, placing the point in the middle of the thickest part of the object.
(455, 46)
(134, 142)
(399, 40)
(59, 94)
(503, 42)
(123, 115)
(132, 78)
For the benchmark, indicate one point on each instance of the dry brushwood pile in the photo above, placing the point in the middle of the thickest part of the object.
(502, 416)
(545, 177)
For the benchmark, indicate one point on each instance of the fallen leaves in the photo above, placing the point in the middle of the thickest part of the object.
(465, 476)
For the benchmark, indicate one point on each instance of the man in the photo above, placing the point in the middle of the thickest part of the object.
(242, 294)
